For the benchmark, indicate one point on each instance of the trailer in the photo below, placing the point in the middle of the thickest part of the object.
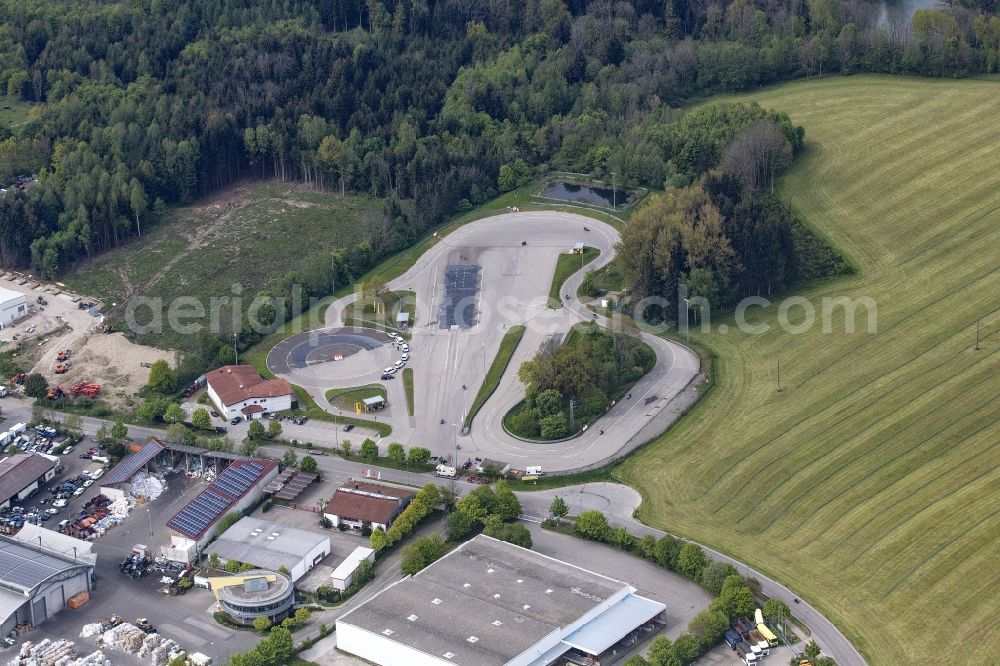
(764, 630)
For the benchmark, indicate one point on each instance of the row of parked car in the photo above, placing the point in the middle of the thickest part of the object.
(390, 372)
(42, 440)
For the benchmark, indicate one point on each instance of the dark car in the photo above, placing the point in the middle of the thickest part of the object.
(236, 419)
(214, 413)
(386, 375)
(84, 456)
(349, 427)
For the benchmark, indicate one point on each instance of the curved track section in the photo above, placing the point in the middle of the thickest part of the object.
(513, 257)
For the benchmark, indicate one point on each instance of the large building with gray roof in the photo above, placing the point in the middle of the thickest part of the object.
(36, 583)
(269, 545)
(491, 603)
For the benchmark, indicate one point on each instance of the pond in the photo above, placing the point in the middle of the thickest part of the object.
(588, 194)
(901, 11)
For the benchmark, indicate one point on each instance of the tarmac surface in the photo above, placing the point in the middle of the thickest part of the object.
(471, 287)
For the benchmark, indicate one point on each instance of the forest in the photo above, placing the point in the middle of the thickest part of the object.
(145, 104)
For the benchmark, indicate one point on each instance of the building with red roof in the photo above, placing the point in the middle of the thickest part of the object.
(239, 390)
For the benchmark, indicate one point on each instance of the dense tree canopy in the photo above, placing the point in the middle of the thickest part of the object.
(437, 102)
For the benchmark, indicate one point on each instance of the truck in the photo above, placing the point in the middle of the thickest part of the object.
(764, 630)
(445, 471)
(745, 654)
(761, 642)
(732, 638)
(17, 429)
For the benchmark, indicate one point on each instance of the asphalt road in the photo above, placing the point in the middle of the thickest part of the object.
(516, 256)
(619, 502)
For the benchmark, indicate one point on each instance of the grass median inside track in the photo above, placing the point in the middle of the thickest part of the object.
(566, 265)
(507, 346)
(870, 483)
(345, 398)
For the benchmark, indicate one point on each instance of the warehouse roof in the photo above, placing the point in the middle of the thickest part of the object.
(265, 544)
(9, 295)
(371, 502)
(485, 602)
(23, 568)
(201, 513)
(236, 383)
(127, 468)
(56, 542)
(19, 470)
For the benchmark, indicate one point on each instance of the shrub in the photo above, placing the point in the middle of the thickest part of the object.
(592, 525)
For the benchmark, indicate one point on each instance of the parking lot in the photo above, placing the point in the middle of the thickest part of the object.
(186, 618)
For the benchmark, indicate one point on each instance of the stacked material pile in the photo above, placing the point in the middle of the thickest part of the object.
(55, 653)
(144, 485)
(131, 639)
(90, 630)
(160, 650)
(126, 637)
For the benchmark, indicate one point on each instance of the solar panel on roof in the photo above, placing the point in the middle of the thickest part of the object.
(202, 511)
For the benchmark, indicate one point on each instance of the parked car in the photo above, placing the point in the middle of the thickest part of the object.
(399, 364)
(85, 456)
(386, 375)
(349, 427)
(52, 512)
(59, 503)
(68, 450)
(214, 413)
(405, 347)
(78, 492)
(405, 357)
(235, 420)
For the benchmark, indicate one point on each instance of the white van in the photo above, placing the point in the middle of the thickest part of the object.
(533, 470)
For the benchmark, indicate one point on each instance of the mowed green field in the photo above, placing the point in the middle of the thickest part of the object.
(871, 483)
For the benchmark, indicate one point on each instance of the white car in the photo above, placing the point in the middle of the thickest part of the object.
(59, 503)
(398, 365)
(67, 450)
(97, 474)
(405, 358)
(88, 483)
(396, 336)
(52, 512)
(389, 370)
(405, 347)
(78, 491)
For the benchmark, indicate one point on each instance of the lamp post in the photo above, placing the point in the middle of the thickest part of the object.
(235, 348)
(687, 321)
(614, 193)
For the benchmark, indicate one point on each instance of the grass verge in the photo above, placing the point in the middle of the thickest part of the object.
(566, 265)
(499, 366)
(408, 388)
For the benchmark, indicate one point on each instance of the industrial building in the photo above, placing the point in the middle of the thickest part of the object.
(36, 583)
(254, 593)
(13, 306)
(23, 473)
(239, 486)
(268, 545)
(56, 542)
(343, 575)
(117, 482)
(488, 603)
(239, 390)
(357, 504)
